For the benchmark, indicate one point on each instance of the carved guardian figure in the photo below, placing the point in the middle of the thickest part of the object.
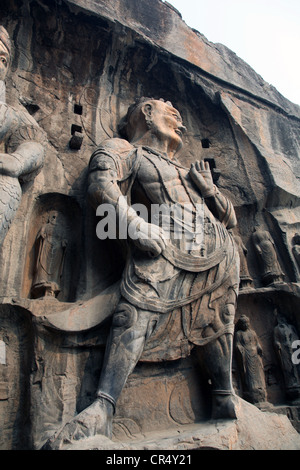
(192, 279)
(267, 256)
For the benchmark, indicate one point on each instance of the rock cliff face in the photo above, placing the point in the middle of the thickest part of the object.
(77, 66)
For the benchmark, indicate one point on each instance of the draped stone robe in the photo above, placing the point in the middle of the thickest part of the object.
(191, 284)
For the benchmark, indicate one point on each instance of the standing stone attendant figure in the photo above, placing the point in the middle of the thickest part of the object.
(24, 143)
(249, 359)
(265, 249)
(51, 249)
(193, 278)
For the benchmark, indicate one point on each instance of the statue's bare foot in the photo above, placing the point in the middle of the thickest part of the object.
(95, 419)
(224, 406)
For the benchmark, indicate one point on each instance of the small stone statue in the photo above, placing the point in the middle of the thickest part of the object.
(24, 142)
(245, 278)
(265, 249)
(51, 249)
(284, 336)
(249, 360)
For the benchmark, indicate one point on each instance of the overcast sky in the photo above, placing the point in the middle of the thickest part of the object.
(264, 33)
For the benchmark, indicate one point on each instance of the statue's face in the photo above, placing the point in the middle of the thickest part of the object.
(166, 123)
(4, 61)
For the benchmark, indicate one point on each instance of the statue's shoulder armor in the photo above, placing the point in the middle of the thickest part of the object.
(116, 147)
(19, 126)
(113, 153)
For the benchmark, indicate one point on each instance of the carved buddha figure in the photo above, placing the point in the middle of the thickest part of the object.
(249, 358)
(284, 337)
(266, 252)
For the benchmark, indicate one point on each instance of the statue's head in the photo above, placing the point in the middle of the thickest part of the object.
(243, 323)
(155, 117)
(5, 52)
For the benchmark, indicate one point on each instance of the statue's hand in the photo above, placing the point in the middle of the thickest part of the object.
(147, 237)
(9, 165)
(201, 175)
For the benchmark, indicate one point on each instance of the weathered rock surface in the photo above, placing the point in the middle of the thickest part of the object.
(161, 24)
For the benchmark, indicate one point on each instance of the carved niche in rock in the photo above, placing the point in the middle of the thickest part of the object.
(266, 252)
(285, 335)
(51, 250)
(179, 263)
(249, 359)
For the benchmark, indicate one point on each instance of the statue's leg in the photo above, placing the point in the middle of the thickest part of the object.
(129, 331)
(125, 345)
(217, 358)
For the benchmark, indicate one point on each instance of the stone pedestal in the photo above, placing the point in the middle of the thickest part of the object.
(252, 430)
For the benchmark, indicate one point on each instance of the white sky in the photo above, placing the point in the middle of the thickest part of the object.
(264, 33)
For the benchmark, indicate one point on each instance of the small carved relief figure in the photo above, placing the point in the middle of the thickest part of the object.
(266, 251)
(249, 359)
(245, 278)
(296, 248)
(51, 249)
(24, 144)
(192, 278)
(284, 336)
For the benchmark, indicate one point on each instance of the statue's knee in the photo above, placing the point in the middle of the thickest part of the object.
(125, 316)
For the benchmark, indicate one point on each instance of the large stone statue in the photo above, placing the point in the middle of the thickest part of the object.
(284, 337)
(249, 359)
(23, 141)
(266, 252)
(183, 262)
(51, 249)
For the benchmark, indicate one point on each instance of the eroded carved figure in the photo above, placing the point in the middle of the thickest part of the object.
(51, 249)
(284, 337)
(249, 359)
(190, 281)
(265, 249)
(24, 146)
